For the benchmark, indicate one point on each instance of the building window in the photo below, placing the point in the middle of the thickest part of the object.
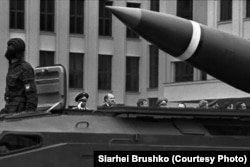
(247, 8)
(16, 14)
(225, 10)
(131, 33)
(76, 70)
(153, 66)
(104, 72)
(132, 74)
(76, 16)
(47, 58)
(152, 101)
(203, 76)
(185, 9)
(105, 18)
(47, 14)
(154, 5)
(183, 72)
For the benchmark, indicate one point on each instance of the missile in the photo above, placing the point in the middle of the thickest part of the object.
(220, 54)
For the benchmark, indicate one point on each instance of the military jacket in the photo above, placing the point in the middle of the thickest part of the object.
(20, 93)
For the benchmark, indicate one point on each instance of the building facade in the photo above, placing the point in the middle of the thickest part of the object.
(225, 15)
(101, 55)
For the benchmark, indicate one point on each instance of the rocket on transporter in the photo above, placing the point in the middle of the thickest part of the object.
(220, 54)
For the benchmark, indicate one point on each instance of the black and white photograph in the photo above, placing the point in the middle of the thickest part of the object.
(103, 83)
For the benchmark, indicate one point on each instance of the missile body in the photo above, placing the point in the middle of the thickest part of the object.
(222, 55)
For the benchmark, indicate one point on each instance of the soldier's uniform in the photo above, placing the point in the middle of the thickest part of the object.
(20, 92)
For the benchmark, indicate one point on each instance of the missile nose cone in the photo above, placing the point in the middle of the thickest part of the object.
(169, 33)
(130, 16)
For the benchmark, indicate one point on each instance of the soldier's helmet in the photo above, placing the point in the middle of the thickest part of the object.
(15, 45)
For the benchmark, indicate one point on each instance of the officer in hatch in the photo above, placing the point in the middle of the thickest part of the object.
(81, 99)
(20, 92)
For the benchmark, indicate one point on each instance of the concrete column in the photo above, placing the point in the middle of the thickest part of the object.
(200, 11)
(32, 38)
(144, 61)
(62, 36)
(237, 18)
(62, 33)
(165, 59)
(4, 34)
(119, 58)
(91, 54)
(212, 14)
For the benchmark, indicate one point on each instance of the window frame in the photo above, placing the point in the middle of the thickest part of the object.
(153, 66)
(155, 5)
(185, 9)
(47, 54)
(77, 18)
(247, 9)
(129, 32)
(47, 14)
(180, 75)
(105, 60)
(132, 74)
(18, 23)
(152, 101)
(77, 72)
(226, 10)
(105, 18)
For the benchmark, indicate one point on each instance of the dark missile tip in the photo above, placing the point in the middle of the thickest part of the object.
(129, 16)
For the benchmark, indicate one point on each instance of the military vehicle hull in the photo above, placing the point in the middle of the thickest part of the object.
(70, 139)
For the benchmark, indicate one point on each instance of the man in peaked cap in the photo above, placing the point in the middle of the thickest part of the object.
(81, 99)
(20, 91)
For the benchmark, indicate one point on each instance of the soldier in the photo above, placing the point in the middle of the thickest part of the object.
(20, 92)
(241, 106)
(81, 99)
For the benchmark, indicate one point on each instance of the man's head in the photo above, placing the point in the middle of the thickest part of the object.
(82, 98)
(162, 103)
(241, 106)
(203, 104)
(109, 99)
(15, 49)
(181, 105)
(142, 103)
